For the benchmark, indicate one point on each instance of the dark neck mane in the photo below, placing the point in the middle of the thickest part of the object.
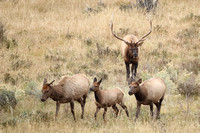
(57, 92)
(139, 96)
(97, 96)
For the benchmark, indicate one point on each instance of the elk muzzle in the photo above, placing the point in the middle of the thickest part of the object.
(91, 89)
(130, 93)
(44, 98)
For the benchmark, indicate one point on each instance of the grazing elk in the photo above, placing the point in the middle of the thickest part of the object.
(149, 92)
(69, 89)
(107, 98)
(129, 49)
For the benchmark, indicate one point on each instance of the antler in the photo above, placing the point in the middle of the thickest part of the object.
(143, 38)
(111, 27)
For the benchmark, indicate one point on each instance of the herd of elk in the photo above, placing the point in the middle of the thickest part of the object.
(76, 87)
(130, 51)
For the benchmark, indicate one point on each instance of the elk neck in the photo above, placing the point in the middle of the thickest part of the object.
(132, 60)
(97, 95)
(57, 92)
(140, 95)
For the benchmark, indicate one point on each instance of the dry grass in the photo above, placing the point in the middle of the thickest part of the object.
(51, 38)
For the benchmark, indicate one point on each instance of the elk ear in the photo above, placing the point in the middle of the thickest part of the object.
(95, 79)
(100, 81)
(51, 82)
(139, 81)
(45, 81)
(139, 43)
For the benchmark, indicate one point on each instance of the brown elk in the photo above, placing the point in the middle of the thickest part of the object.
(149, 92)
(69, 89)
(108, 98)
(129, 49)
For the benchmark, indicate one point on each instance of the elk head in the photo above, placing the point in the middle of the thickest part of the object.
(134, 87)
(95, 86)
(46, 90)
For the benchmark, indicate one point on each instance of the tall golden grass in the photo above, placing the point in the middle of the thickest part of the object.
(59, 37)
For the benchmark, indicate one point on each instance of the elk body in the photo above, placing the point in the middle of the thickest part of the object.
(150, 92)
(107, 98)
(68, 89)
(130, 51)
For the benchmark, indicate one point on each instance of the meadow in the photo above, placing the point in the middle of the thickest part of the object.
(52, 38)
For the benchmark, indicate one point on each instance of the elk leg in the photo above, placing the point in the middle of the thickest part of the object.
(115, 109)
(82, 107)
(138, 110)
(127, 71)
(84, 99)
(72, 109)
(158, 105)
(134, 65)
(104, 113)
(57, 108)
(151, 109)
(125, 108)
(95, 114)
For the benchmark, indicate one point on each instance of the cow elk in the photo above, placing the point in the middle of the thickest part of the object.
(149, 92)
(107, 98)
(130, 51)
(68, 89)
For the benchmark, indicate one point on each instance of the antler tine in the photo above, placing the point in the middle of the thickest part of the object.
(111, 27)
(143, 38)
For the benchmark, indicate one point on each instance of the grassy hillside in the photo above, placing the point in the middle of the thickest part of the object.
(52, 38)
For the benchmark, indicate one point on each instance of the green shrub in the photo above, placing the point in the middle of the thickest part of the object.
(31, 89)
(7, 99)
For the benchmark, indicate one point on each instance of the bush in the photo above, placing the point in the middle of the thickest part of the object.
(125, 6)
(36, 115)
(7, 99)
(4, 41)
(31, 89)
(189, 86)
(9, 79)
(192, 65)
(189, 34)
(8, 121)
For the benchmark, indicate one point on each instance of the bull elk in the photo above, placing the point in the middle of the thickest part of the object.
(129, 49)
